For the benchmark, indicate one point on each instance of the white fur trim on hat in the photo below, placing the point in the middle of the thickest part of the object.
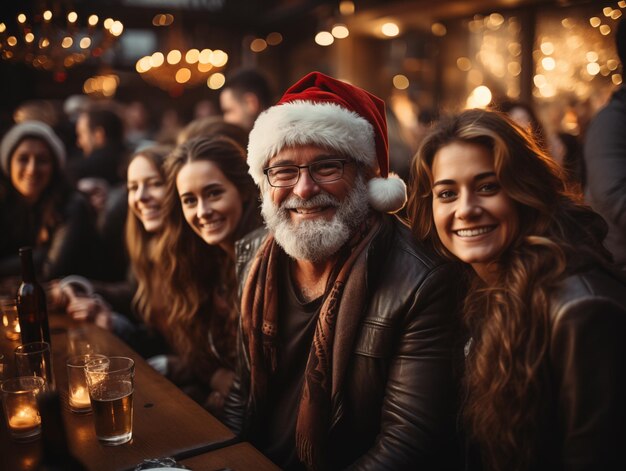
(387, 195)
(323, 124)
(30, 129)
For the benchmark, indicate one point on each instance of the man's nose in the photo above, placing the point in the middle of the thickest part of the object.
(306, 186)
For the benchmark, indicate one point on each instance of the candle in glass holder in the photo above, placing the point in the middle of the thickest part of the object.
(10, 320)
(25, 419)
(19, 398)
(78, 393)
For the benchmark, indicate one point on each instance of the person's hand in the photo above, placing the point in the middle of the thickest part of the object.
(91, 309)
(221, 382)
(60, 293)
(55, 295)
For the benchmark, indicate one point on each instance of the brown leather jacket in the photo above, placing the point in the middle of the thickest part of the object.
(398, 407)
(587, 359)
(585, 412)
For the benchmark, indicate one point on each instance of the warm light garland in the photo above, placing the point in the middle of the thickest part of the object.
(57, 39)
(175, 70)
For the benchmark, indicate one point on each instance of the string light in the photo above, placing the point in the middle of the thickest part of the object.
(175, 69)
(324, 38)
(401, 82)
(340, 31)
(57, 38)
(390, 29)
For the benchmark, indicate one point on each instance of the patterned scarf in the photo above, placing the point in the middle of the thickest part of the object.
(338, 319)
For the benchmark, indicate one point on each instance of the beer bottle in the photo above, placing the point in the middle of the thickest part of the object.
(31, 303)
(56, 455)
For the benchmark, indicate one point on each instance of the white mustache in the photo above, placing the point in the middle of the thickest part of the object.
(323, 199)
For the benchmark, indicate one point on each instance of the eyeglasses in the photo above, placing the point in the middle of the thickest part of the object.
(323, 171)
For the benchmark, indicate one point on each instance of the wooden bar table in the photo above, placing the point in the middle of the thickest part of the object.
(166, 422)
(237, 457)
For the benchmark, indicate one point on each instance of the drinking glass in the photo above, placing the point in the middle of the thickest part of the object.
(35, 359)
(19, 399)
(111, 384)
(10, 321)
(78, 342)
(78, 393)
(4, 368)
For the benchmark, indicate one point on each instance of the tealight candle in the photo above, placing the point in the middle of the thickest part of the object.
(25, 419)
(10, 321)
(79, 398)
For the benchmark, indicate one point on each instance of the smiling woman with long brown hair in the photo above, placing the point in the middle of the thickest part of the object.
(210, 202)
(545, 375)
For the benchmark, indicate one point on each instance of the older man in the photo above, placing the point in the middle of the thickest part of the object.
(348, 326)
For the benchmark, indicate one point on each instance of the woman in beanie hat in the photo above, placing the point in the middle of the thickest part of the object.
(39, 209)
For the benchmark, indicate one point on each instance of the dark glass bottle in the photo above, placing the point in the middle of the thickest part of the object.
(31, 303)
(56, 455)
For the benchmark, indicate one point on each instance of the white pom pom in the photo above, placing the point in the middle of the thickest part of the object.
(387, 195)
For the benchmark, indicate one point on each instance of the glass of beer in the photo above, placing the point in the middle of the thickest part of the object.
(111, 384)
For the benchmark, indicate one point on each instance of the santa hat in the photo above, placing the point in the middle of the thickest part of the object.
(323, 111)
(26, 129)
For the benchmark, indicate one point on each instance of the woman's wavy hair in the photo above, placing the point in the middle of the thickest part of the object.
(140, 243)
(201, 277)
(506, 394)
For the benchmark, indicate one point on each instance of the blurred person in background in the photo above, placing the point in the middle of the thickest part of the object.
(52, 113)
(563, 147)
(98, 175)
(38, 207)
(545, 315)
(524, 115)
(100, 135)
(137, 127)
(140, 297)
(210, 202)
(567, 151)
(205, 109)
(210, 126)
(605, 161)
(244, 96)
(172, 121)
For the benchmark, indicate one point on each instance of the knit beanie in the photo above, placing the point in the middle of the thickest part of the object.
(323, 111)
(35, 129)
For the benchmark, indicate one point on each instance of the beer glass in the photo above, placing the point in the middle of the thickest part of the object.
(111, 383)
(35, 359)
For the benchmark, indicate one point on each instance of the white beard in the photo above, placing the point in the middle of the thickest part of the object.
(318, 239)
